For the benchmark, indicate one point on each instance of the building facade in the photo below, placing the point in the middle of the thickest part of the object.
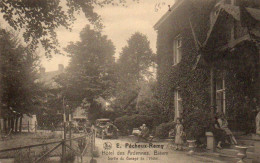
(208, 58)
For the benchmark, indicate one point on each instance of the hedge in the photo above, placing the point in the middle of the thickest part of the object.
(162, 131)
(126, 123)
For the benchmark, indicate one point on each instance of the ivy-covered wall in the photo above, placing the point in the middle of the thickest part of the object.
(193, 85)
(241, 73)
(240, 67)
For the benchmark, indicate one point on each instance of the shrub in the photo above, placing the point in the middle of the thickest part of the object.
(196, 123)
(162, 131)
(126, 123)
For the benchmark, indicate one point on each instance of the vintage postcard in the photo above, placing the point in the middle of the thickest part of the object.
(118, 81)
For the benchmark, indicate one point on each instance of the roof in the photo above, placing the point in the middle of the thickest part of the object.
(48, 78)
(168, 13)
(235, 11)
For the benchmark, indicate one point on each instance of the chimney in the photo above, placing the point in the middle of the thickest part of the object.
(42, 70)
(61, 67)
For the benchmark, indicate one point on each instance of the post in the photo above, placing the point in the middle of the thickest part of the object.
(35, 127)
(5, 127)
(21, 123)
(63, 154)
(93, 139)
(210, 138)
(69, 125)
(16, 124)
(64, 133)
(28, 126)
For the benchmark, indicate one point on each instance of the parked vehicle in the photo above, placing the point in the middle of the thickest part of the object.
(105, 129)
(136, 131)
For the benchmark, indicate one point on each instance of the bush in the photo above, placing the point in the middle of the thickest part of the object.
(49, 121)
(196, 123)
(162, 131)
(126, 123)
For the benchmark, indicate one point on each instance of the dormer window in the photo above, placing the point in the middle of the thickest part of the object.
(177, 44)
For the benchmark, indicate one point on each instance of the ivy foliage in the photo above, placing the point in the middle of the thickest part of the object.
(239, 67)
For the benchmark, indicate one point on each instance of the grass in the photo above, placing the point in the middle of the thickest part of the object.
(26, 139)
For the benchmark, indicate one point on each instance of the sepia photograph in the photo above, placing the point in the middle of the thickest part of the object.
(122, 81)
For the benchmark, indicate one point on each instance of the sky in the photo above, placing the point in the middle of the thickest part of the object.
(120, 23)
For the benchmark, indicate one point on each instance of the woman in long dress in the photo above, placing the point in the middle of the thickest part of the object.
(179, 134)
(224, 126)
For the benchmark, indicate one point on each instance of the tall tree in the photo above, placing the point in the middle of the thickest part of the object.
(132, 68)
(19, 93)
(90, 72)
(136, 57)
(40, 18)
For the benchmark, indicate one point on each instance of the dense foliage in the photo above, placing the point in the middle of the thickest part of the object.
(162, 130)
(39, 19)
(132, 68)
(126, 123)
(90, 73)
(19, 93)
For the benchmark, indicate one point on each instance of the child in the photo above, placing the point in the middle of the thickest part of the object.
(179, 134)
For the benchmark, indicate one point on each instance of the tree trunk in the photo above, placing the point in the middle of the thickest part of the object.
(20, 127)
(12, 124)
(16, 124)
(5, 126)
(8, 124)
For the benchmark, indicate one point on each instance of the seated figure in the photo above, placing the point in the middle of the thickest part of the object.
(224, 126)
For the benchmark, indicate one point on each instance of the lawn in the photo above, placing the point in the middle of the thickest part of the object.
(26, 139)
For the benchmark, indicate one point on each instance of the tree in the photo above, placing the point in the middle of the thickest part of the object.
(132, 68)
(19, 94)
(136, 57)
(40, 18)
(90, 72)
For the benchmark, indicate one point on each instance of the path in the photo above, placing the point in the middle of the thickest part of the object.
(126, 151)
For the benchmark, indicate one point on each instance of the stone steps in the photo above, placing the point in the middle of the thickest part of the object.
(245, 142)
(231, 152)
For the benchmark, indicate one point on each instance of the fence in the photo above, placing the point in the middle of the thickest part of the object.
(27, 127)
(65, 150)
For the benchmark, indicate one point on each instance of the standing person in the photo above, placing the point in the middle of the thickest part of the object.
(224, 126)
(179, 135)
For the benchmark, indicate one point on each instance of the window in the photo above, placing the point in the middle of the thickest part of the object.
(177, 43)
(221, 95)
(177, 104)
